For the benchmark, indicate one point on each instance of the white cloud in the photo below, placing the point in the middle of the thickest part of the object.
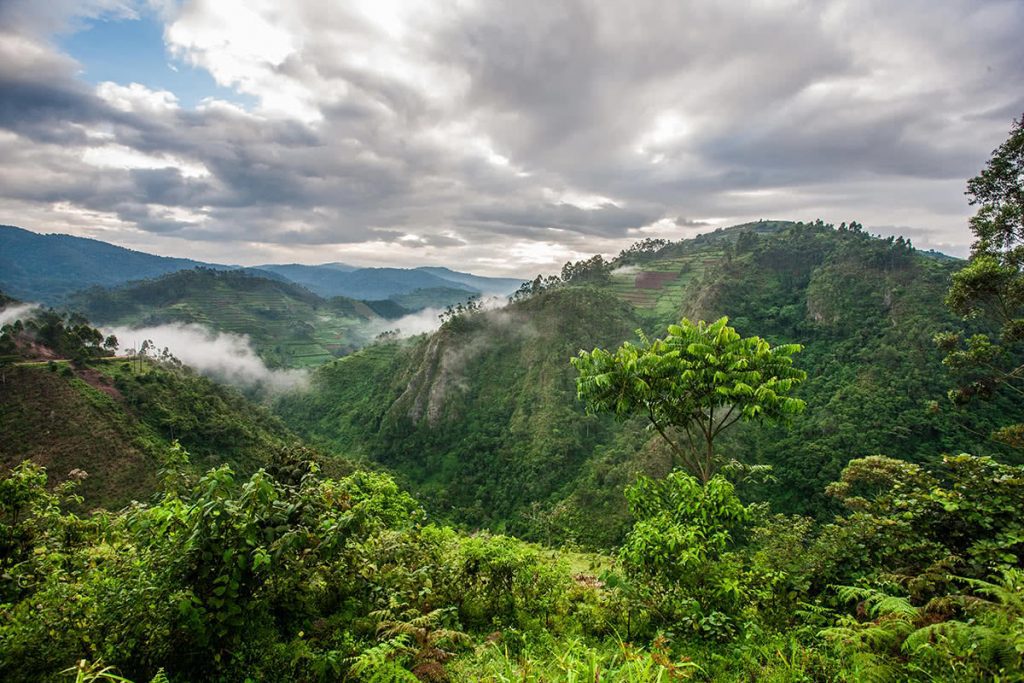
(119, 156)
(137, 98)
(224, 356)
(17, 312)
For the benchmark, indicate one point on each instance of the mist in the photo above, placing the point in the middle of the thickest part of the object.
(410, 325)
(223, 356)
(17, 312)
(626, 270)
(428, 319)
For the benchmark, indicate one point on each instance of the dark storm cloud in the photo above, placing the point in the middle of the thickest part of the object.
(607, 220)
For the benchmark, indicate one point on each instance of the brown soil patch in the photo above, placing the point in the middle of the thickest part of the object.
(99, 381)
(654, 280)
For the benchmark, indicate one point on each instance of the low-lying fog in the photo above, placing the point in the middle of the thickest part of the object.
(224, 356)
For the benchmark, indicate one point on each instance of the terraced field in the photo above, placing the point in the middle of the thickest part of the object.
(659, 286)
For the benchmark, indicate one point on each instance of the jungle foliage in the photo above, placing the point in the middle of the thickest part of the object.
(292, 575)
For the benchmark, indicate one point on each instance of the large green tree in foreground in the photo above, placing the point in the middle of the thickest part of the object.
(692, 385)
(991, 288)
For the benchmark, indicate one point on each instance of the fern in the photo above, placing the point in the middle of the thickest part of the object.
(382, 662)
(988, 643)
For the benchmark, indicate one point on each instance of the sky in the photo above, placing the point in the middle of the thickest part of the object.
(494, 137)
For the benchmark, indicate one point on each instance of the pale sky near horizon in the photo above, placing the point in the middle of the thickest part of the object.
(498, 138)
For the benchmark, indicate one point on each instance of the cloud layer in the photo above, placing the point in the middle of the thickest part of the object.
(17, 312)
(506, 138)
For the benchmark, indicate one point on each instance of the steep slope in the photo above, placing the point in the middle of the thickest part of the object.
(64, 424)
(289, 326)
(481, 416)
(116, 422)
(482, 419)
(45, 268)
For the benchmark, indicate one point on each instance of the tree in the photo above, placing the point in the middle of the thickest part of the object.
(695, 383)
(998, 190)
(991, 288)
(593, 270)
(680, 551)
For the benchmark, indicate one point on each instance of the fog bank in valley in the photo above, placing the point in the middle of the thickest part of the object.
(224, 356)
(17, 312)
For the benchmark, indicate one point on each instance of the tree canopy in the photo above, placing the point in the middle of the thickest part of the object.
(699, 380)
(990, 290)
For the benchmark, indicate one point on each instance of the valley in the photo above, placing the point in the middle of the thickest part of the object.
(462, 459)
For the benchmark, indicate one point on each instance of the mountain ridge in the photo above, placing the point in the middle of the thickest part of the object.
(48, 267)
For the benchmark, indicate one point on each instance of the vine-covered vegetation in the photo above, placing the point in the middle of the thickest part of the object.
(289, 575)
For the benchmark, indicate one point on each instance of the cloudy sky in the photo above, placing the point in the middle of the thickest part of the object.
(496, 137)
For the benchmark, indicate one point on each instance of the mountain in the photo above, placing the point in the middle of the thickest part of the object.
(288, 325)
(430, 297)
(482, 421)
(45, 268)
(501, 286)
(386, 283)
(48, 268)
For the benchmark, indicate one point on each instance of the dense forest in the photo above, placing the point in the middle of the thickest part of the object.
(778, 452)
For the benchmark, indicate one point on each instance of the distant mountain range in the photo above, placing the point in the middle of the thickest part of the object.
(334, 279)
(48, 268)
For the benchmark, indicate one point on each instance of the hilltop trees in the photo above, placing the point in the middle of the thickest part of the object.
(692, 385)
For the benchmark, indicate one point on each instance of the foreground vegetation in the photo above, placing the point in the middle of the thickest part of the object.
(291, 575)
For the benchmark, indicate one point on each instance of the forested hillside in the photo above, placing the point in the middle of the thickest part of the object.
(46, 268)
(288, 325)
(335, 279)
(67, 404)
(482, 422)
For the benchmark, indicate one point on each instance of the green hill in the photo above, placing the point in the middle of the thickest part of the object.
(46, 268)
(481, 418)
(288, 325)
(116, 423)
(68, 404)
(333, 279)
